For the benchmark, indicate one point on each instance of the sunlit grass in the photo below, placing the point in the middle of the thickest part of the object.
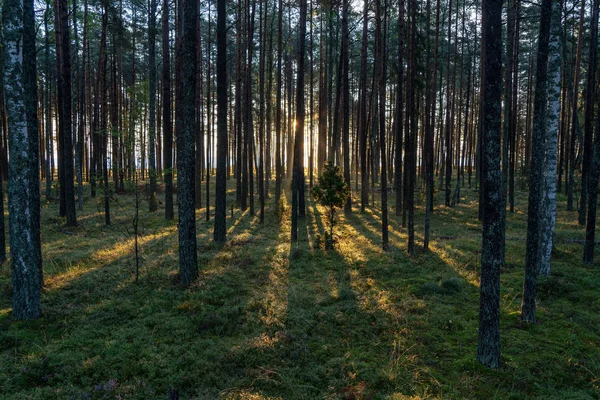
(270, 319)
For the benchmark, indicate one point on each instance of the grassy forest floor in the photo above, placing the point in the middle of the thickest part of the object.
(267, 320)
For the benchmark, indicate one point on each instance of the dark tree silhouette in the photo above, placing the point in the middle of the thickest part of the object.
(188, 268)
(221, 180)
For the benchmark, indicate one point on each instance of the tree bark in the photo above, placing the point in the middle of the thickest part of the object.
(188, 268)
(549, 174)
(538, 146)
(23, 190)
(362, 123)
(153, 206)
(381, 57)
(65, 127)
(575, 115)
(298, 175)
(166, 118)
(346, 105)
(488, 346)
(590, 102)
(221, 181)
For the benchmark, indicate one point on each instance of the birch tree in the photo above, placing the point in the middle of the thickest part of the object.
(549, 196)
(23, 135)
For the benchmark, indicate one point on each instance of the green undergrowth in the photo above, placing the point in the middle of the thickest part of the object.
(269, 320)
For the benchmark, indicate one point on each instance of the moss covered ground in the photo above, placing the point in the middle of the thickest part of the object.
(270, 320)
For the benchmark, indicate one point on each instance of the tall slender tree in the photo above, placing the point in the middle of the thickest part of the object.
(346, 103)
(221, 180)
(412, 115)
(188, 257)
(152, 102)
(166, 117)
(23, 135)
(594, 168)
(552, 119)
(47, 107)
(399, 106)
(65, 126)
(575, 111)
(492, 253)
(538, 145)
(590, 104)
(362, 123)
(381, 76)
(297, 175)
(278, 160)
(448, 122)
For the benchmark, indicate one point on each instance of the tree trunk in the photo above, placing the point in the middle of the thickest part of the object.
(549, 175)
(488, 346)
(278, 161)
(152, 100)
(594, 172)
(399, 105)
(65, 127)
(23, 189)
(575, 115)
(166, 119)
(590, 102)
(381, 57)
(188, 268)
(221, 182)
(297, 175)
(536, 177)
(346, 105)
(412, 106)
(362, 123)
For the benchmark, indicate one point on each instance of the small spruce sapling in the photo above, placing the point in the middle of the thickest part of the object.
(331, 191)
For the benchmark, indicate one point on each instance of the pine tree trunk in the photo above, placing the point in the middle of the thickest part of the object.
(448, 125)
(65, 127)
(412, 107)
(381, 57)
(188, 268)
(221, 182)
(594, 170)
(166, 118)
(152, 100)
(488, 347)
(590, 102)
(278, 161)
(238, 105)
(346, 104)
(48, 127)
(363, 122)
(399, 106)
(199, 159)
(575, 114)
(208, 112)
(297, 175)
(82, 112)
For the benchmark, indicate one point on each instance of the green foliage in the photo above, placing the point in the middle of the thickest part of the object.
(430, 288)
(453, 285)
(331, 191)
